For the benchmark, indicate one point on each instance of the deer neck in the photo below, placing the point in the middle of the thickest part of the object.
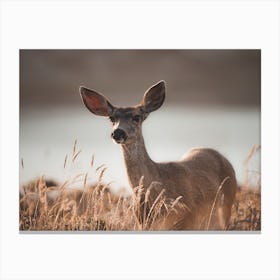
(138, 163)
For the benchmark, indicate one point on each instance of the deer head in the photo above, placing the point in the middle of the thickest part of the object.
(126, 121)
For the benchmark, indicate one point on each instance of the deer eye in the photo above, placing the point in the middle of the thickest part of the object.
(136, 118)
(112, 119)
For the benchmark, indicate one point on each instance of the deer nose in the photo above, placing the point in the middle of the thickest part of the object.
(119, 135)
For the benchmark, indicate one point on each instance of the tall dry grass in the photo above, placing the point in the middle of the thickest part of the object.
(91, 208)
(45, 205)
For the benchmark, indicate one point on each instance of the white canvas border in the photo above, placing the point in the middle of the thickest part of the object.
(155, 24)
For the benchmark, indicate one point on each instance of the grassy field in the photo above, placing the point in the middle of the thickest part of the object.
(46, 206)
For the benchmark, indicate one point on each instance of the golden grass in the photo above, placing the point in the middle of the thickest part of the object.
(45, 205)
(246, 211)
(97, 208)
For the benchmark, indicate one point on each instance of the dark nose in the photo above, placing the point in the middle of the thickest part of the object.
(119, 135)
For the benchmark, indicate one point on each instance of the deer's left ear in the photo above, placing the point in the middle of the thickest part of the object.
(96, 102)
(154, 97)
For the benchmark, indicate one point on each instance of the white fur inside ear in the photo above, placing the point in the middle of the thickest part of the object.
(222, 201)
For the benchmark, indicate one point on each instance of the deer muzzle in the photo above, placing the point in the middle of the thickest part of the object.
(119, 136)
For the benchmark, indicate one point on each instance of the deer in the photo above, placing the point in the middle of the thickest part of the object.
(203, 179)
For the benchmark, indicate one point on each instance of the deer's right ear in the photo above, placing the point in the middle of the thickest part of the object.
(96, 102)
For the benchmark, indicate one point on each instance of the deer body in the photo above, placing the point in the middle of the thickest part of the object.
(203, 178)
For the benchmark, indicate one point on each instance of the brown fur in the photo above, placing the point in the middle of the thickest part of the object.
(203, 177)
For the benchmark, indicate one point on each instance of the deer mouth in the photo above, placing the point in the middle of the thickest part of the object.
(119, 141)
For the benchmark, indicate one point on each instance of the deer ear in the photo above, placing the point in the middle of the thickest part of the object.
(154, 97)
(96, 102)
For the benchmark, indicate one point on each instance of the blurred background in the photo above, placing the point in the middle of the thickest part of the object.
(213, 99)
